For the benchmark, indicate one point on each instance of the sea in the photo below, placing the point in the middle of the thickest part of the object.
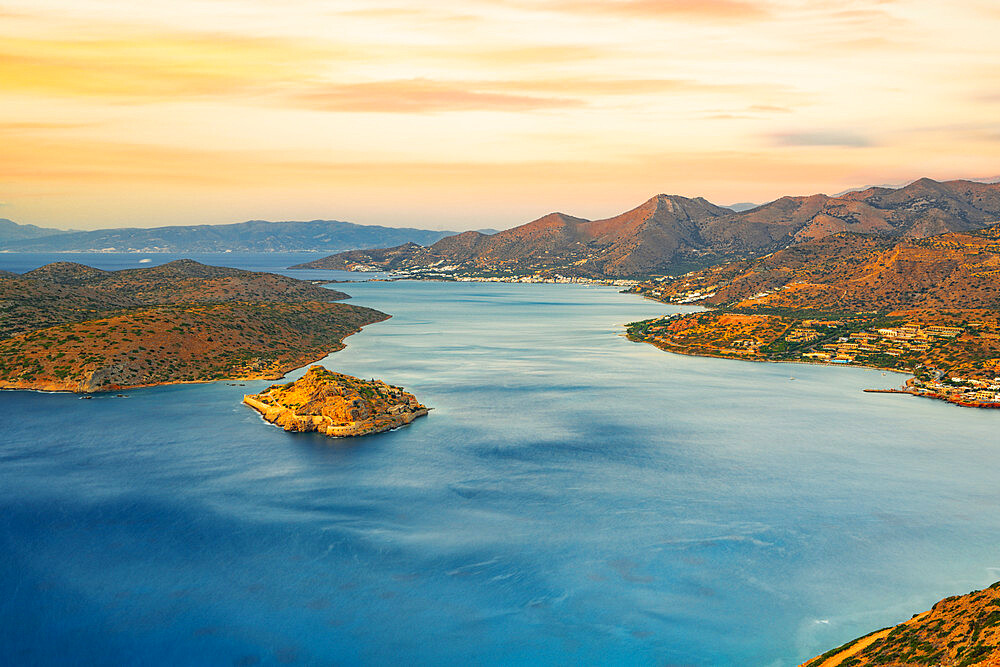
(573, 498)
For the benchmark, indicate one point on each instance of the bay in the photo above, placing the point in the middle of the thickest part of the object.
(573, 498)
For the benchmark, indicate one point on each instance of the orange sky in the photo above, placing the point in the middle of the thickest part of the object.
(484, 113)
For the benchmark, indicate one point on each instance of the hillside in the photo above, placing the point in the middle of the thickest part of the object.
(853, 272)
(670, 234)
(76, 328)
(959, 631)
(924, 306)
(251, 236)
(68, 292)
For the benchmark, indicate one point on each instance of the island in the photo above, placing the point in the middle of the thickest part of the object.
(336, 405)
(926, 307)
(959, 631)
(71, 327)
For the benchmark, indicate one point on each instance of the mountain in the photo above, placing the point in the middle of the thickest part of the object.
(963, 630)
(252, 236)
(12, 231)
(660, 231)
(670, 234)
(854, 272)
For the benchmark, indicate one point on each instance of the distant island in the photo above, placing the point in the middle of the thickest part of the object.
(959, 631)
(336, 405)
(250, 236)
(671, 235)
(924, 306)
(70, 327)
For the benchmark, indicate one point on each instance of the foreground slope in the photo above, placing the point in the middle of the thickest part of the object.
(959, 631)
(72, 327)
(670, 234)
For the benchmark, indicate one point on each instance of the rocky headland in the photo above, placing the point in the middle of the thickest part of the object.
(336, 405)
(959, 631)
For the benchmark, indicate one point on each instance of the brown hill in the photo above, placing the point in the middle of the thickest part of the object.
(854, 272)
(184, 280)
(671, 234)
(70, 292)
(33, 304)
(179, 343)
(73, 327)
(960, 631)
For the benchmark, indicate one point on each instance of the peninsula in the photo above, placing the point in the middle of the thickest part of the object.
(960, 631)
(70, 327)
(336, 405)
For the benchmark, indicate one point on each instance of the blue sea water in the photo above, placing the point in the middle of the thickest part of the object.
(573, 498)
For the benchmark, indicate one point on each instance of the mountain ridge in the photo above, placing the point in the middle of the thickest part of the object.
(672, 234)
(248, 236)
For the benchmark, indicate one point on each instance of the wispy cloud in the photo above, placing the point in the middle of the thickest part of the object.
(768, 108)
(154, 67)
(821, 138)
(714, 10)
(423, 95)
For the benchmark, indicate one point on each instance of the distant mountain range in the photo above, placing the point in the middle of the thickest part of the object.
(252, 236)
(12, 231)
(670, 234)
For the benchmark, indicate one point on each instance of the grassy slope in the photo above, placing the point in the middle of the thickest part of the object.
(960, 631)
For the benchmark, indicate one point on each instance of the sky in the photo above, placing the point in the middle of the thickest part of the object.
(480, 113)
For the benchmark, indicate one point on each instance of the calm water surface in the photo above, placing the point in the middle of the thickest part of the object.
(572, 499)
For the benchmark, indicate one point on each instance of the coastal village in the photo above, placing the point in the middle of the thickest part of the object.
(946, 360)
(454, 273)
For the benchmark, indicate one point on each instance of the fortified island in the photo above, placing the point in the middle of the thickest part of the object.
(336, 405)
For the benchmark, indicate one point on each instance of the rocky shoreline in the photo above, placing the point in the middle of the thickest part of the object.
(336, 405)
